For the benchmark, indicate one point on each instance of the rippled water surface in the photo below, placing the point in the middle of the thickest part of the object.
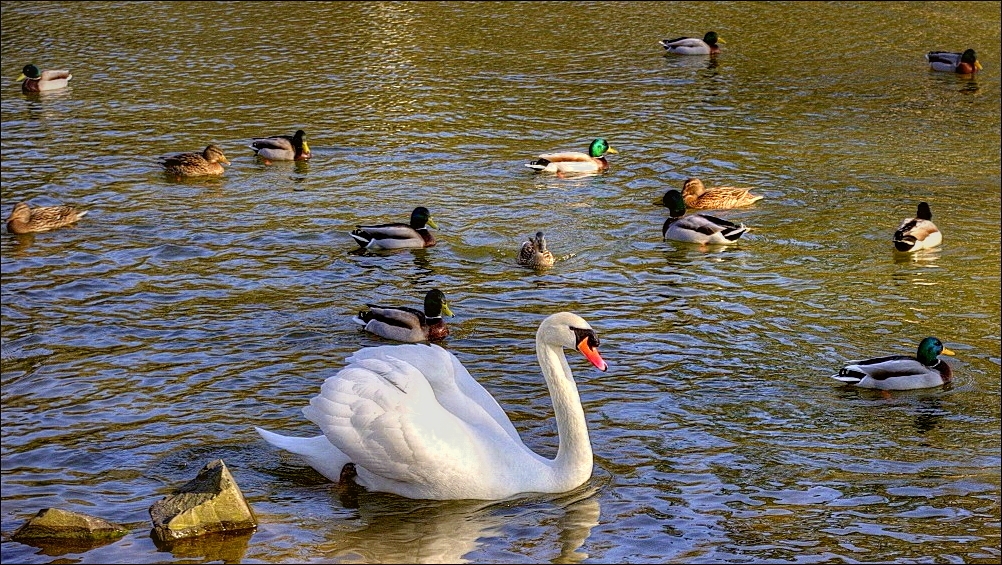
(151, 337)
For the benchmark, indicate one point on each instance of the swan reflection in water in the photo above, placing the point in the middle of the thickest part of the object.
(399, 530)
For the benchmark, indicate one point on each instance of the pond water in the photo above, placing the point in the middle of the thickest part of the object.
(154, 335)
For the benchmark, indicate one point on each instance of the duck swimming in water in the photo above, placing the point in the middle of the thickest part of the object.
(901, 372)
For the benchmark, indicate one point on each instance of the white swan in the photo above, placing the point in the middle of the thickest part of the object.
(415, 423)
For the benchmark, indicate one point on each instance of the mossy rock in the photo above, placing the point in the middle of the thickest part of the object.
(54, 524)
(209, 503)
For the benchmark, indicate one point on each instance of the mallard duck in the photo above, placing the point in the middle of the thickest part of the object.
(398, 235)
(535, 254)
(282, 147)
(401, 323)
(918, 232)
(575, 161)
(962, 63)
(25, 219)
(698, 197)
(416, 424)
(36, 80)
(697, 228)
(196, 164)
(901, 372)
(693, 45)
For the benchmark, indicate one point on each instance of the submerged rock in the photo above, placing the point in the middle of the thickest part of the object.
(54, 524)
(209, 503)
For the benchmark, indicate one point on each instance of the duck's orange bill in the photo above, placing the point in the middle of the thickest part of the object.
(948, 352)
(591, 354)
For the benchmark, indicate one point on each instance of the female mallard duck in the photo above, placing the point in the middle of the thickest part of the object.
(282, 147)
(401, 323)
(196, 164)
(901, 372)
(918, 232)
(693, 45)
(25, 219)
(575, 161)
(698, 197)
(36, 80)
(535, 254)
(965, 63)
(398, 235)
(697, 228)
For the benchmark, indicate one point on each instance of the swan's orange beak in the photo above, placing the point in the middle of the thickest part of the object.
(591, 354)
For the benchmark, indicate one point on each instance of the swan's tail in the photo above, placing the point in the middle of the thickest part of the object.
(317, 451)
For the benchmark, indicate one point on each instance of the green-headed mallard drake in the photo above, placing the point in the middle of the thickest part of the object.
(25, 219)
(196, 164)
(36, 80)
(535, 254)
(697, 228)
(575, 161)
(901, 372)
(694, 45)
(698, 197)
(401, 323)
(965, 63)
(917, 233)
(398, 235)
(282, 147)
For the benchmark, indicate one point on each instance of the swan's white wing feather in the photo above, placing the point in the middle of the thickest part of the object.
(383, 413)
(369, 413)
(453, 386)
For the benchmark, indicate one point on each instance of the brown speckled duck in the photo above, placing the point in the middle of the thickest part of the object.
(698, 197)
(25, 219)
(534, 253)
(206, 163)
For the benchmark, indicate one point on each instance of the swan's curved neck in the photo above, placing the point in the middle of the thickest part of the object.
(573, 463)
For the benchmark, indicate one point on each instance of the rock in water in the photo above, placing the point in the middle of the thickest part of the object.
(51, 524)
(209, 503)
